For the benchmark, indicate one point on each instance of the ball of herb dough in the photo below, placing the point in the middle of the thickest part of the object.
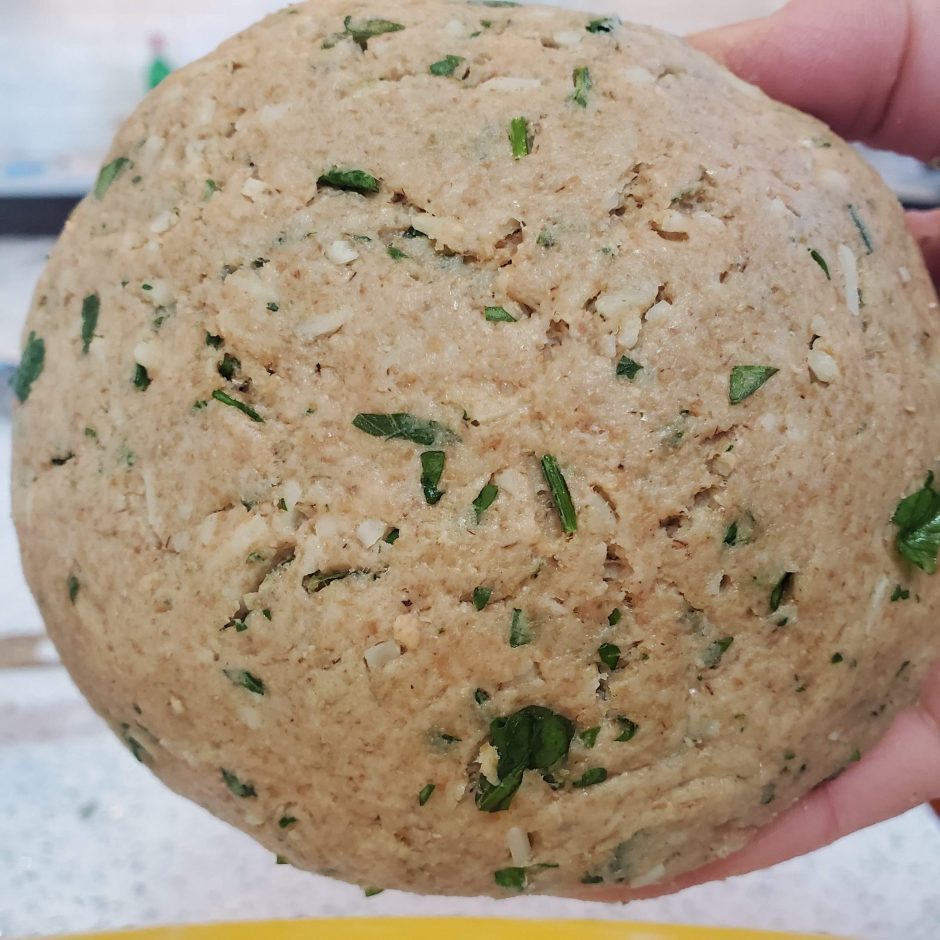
(459, 446)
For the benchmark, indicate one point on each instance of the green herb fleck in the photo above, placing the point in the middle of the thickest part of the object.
(357, 181)
(372, 892)
(266, 613)
(837, 658)
(546, 238)
(731, 534)
(362, 31)
(606, 24)
(581, 77)
(404, 427)
(745, 380)
(862, 230)
(591, 777)
(412, 232)
(91, 433)
(712, 655)
(591, 879)
(821, 261)
(31, 365)
(220, 396)
(767, 794)
(199, 405)
(109, 173)
(73, 587)
(498, 315)
(243, 790)
(514, 879)
(560, 494)
(918, 520)
(425, 793)
(900, 594)
(214, 341)
(481, 696)
(211, 187)
(533, 738)
(63, 460)
(485, 498)
(316, 582)
(902, 667)
(282, 504)
(239, 625)
(432, 469)
(627, 367)
(614, 617)
(229, 367)
(519, 138)
(141, 378)
(855, 756)
(609, 655)
(91, 306)
(246, 680)
(481, 596)
(395, 254)
(588, 737)
(272, 307)
(781, 590)
(628, 729)
(286, 821)
(445, 66)
(135, 747)
(519, 633)
(392, 537)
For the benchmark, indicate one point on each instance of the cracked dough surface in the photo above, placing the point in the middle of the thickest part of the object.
(183, 550)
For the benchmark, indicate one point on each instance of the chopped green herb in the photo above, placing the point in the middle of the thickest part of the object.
(211, 187)
(533, 738)
(560, 494)
(141, 378)
(609, 655)
(246, 680)
(286, 821)
(591, 879)
(902, 667)
(855, 756)
(731, 534)
(519, 633)
(220, 396)
(821, 261)
(432, 469)
(588, 737)
(361, 31)
(214, 341)
(316, 582)
(484, 500)
(91, 433)
(280, 860)
(239, 625)
(781, 590)
(837, 658)
(404, 427)
(862, 230)
(591, 777)
(448, 738)
(356, 181)
(266, 613)
(614, 617)
(272, 307)
(392, 536)
(514, 879)
(481, 596)
(606, 24)
(519, 138)
(63, 460)
(109, 173)
(745, 380)
(581, 77)
(628, 729)
(918, 520)
(199, 405)
(31, 365)
(425, 793)
(445, 66)
(712, 655)
(498, 315)
(900, 594)
(282, 504)
(229, 367)
(243, 790)
(481, 696)
(73, 587)
(395, 253)
(91, 306)
(135, 747)
(372, 892)
(546, 238)
(627, 367)
(767, 794)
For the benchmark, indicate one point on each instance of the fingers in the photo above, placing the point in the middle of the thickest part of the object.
(865, 67)
(925, 227)
(901, 772)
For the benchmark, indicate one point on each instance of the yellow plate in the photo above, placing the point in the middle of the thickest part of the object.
(443, 929)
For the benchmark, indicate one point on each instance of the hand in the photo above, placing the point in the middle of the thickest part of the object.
(869, 69)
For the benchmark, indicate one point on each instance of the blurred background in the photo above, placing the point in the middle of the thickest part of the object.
(87, 838)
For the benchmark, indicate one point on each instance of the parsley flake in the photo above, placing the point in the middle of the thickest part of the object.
(588, 737)
(357, 181)
(628, 729)
(485, 498)
(918, 520)
(220, 396)
(73, 587)
(285, 822)
(900, 594)
(513, 879)
(781, 590)
(404, 427)
(581, 77)
(561, 495)
(425, 793)
(246, 680)
(481, 596)
(519, 137)
(628, 368)
(30, 368)
(862, 230)
(109, 173)
(432, 469)
(481, 696)
(445, 66)
(712, 655)
(606, 24)
(91, 306)
(609, 655)
(238, 788)
(591, 777)
(821, 261)
(396, 254)
(142, 379)
(318, 580)
(519, 632)
(361, 31)
(745, 380)
(498, 315)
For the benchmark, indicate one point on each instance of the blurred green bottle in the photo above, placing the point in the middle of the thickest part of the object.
(159, 67)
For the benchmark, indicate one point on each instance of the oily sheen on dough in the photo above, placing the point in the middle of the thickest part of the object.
(524, 233)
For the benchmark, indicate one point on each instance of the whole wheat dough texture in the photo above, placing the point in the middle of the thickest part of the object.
(459, 446)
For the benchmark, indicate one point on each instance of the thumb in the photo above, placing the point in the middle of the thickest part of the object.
(865, 67)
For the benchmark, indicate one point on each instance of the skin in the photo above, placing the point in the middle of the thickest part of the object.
(867, 69)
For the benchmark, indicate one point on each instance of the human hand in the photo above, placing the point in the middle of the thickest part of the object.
(868, 69)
